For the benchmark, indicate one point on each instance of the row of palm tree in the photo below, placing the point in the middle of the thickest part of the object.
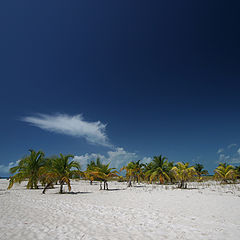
(61, 169)
(36, 168)
(160, 170)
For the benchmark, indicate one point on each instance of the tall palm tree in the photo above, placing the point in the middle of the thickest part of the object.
(60, 169)
(225, 173)
(159, 170)
(103, 173)
(28, 169)
(200, 170)
(183, 173)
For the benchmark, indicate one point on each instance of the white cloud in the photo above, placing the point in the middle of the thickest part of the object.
(86, 158)
(118, 158)
(235, 160)
(147, 159)
(76, 126)
(224, 158)
(231, 145)
(4, 169)
(229, 154)
(238, 151)
(220, 150)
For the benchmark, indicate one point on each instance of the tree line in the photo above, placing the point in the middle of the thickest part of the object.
(49, 171)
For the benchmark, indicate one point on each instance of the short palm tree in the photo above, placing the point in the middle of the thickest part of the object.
(182, 172)
(90, 168)
(147, 167)
(130, 172)
(138, 170)
(159, 170)
(61, 169)
(200, 170)
(225, 173)
(103, 173)
(237, 168)
(28, 169)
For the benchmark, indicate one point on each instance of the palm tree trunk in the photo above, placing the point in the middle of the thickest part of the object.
(61, 187)
(100, 186)
(105, 185)
(35, 185)
(47, 186)
(130, 181)
(181, 185)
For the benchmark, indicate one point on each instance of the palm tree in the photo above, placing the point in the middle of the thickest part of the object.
(200, 170)
(146, 169)
(134, 170)
(225, 173)
(159, 170)
(28, 169)
(138, 170)
(103, 173)
(237, 168)
(90, 168)
(182, 172)
(130, 172)
(61, 169)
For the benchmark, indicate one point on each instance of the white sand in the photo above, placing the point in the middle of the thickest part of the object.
(146, 212)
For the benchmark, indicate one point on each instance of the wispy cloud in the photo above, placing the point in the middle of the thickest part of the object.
(229, 154)
(220, 150)
(146, 159)
(232, 145)
(76, 126)
(238, 151)
(118, 158)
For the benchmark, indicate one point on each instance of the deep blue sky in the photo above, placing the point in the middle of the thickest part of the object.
(163, 75)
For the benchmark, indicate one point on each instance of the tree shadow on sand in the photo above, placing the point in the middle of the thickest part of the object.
(77, 192)
(115, 189)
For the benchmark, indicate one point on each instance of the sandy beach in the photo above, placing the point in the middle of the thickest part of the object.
(208, 211)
